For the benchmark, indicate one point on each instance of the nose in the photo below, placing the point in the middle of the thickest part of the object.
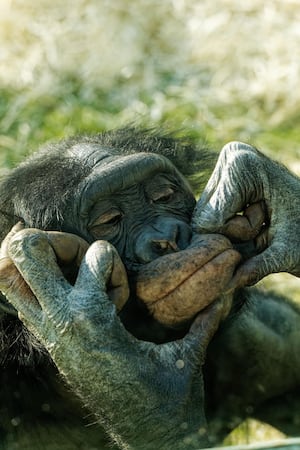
(160, 238)
(166, 245)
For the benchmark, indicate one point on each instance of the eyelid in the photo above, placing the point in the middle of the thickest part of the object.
(156, 196)
(107, 217)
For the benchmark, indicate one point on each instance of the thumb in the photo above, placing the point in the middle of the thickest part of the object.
(204, 328)
(103, 272)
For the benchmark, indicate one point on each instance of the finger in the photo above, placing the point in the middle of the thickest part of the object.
(207, 321)
(233, 184)
(102, 271)
(17, 291)
(5, 243)
(117, 288)
(5, 283)
(89, 301)
(68, 247)
(272, 260)
(36, 261)
(247, 226)
(204, 328)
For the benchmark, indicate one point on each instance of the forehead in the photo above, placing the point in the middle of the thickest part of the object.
(111, 173)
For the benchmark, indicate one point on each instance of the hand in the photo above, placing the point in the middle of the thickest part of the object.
(146, 396)
(69, 250)
(268, 194)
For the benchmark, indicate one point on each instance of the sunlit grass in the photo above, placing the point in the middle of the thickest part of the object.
(252, 430)
(223, 70)
(284, 284)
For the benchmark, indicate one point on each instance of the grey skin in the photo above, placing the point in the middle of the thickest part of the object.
(244, 176)
(116, 375)
(150, 396)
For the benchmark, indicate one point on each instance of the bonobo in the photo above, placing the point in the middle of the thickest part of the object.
(125, 306)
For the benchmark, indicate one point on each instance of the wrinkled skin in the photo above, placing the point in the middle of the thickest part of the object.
(65, 319)
(244, 176)
(177, 286)
(150, 396)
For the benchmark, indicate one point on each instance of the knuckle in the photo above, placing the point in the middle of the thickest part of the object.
(238, 147)
(101, 247)
(27, 241)
(239, 155)
(100, 252)
(208, 218)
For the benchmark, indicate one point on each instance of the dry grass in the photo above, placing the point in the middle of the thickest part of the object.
(228, 69)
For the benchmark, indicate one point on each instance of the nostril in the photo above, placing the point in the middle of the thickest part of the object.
(162, 237)
(158, 246)
(165, 245)
(169, 244)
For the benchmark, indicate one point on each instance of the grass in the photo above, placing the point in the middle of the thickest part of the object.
(223, 70)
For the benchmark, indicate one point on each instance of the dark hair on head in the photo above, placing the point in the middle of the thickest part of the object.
(39, 189)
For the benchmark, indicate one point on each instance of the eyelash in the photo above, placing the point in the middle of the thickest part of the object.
(164, 198)
(163, 194)
(108, 224)
(114, 220)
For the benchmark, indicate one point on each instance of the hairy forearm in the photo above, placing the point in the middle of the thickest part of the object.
(138, 410)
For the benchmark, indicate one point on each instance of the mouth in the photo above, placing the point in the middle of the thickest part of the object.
(177, 286)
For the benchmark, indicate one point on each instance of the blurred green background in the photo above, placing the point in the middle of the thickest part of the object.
(221, 70)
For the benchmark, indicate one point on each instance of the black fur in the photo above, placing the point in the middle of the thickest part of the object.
(39, 190)
(24, 194)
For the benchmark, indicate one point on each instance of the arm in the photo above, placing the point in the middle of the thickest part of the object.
(243, 177)
(259, 348)
(146, 396)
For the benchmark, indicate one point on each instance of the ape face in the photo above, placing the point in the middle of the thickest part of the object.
(139, 202)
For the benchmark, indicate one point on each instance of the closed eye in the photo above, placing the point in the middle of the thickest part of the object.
(112, 218)
(164, 196)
